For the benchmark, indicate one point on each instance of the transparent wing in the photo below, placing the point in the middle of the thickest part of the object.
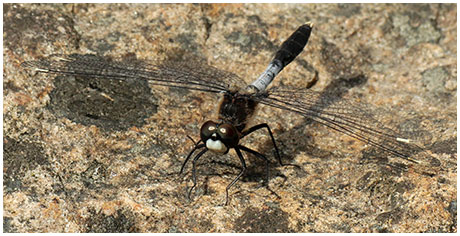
(190, 75)
(354, 119)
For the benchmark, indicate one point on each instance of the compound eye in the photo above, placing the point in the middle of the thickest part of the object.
(229, 134)
(207, 129)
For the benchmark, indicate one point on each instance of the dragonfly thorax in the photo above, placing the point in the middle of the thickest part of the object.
(236, 109)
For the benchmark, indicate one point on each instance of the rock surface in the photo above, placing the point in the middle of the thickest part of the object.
(74, 164)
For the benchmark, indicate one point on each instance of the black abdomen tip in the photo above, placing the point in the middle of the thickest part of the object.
(294, 44)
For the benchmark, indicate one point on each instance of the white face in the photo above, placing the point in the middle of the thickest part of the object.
(216, 145)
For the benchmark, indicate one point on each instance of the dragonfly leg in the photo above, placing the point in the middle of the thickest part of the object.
(194, 170)
(197, 146)
(259, 155)
(261, 126)
(243, 163)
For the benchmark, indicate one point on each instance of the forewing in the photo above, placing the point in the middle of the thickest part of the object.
(190, 75)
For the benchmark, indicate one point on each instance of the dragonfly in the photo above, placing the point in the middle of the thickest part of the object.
(240, 100)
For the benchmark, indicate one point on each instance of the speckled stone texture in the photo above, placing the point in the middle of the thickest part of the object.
(80, 160)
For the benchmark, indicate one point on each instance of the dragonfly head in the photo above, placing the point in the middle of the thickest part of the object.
(219, 137)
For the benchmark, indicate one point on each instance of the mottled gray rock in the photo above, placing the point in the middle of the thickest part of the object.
(114, 167)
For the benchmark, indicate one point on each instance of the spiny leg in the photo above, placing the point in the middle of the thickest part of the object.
(194, 170)
(259, 155)
(263, 157)
(190, 154)
(260, 126)
(196, 143)
(240, 155)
